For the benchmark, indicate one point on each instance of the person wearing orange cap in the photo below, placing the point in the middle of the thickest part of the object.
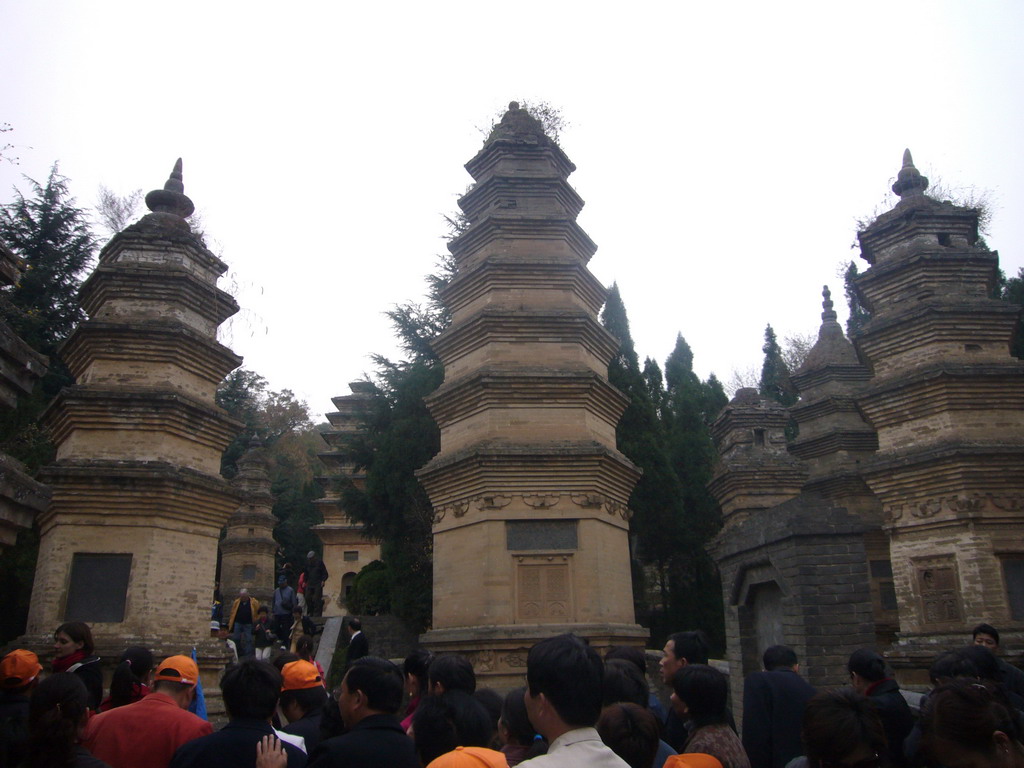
(147, 733)
(19, 674)
(302, 701)
(470, 757)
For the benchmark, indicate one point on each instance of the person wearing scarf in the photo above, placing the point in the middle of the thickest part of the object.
(72, 652)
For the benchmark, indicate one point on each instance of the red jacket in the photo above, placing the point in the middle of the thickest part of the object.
(145, 734)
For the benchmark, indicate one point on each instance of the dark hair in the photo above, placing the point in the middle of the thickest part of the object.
(135, 662)
(967, 714)
(867, 664)
(692, 646)
(355, 623)
(304, 647)
(56, 711)
(491, 701)
(779, 656)
(263, 609)
(631, 732)
(628, 653)
(79, 632)
(453, 672)
(453, 719)
(513, 715)
(416, 664)
(836, 723)
(705, 691)
(569, 673)
(285, 657)
(250, 689)
(379, 680)
(984, 661)
(950, 665)
(985, 629)
(623, 682)
(308, 699)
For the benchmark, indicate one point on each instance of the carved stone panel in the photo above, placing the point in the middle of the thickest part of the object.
(544, 589)
(939, 587)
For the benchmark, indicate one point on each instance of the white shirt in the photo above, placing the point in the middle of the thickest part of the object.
(579, 748)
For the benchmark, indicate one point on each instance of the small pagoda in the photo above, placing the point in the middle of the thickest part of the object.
(248, 547)
(947, 401)
(347, 549)
(129, 543)
(529, 492)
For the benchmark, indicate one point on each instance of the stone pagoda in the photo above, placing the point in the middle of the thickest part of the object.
(346, 547)
(529, 492)
(129, 543)
(248, 547)
(947, 400)
(21, 497)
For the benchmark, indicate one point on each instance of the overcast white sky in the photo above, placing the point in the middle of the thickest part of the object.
(724, 149)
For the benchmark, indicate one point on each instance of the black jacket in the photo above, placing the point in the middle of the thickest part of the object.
(358, 646)
(773, 711)
(308, 728)
(233, 746)
(894, 712)
(374, 742)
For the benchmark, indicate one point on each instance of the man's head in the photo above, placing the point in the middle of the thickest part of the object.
(177, 677)
(19, 671)
(986, 635)
(564, 677)
(780, 657)
(371, 686)
(451, 672)
(251, 689)
(243, 595)
(302, 690)
(282, 582)
(681, 649)
(353, 625)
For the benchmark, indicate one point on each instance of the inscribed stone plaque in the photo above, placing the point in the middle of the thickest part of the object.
(544, 592)
(543, 535)
(938, 586)
(351, 555)
(98, 587)
(248, 572)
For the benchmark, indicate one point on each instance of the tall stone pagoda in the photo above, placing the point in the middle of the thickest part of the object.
(21, 497)
(947, 400)
(129, 543)
(248, 547)
(529, 492)
(346, 546)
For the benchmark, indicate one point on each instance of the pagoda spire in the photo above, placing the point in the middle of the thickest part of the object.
(909, 182)
(171, 199)
(828, 314)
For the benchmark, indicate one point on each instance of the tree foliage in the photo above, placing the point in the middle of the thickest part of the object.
(117, 211)
(775, 383)
(1012, 290)
(664, 431)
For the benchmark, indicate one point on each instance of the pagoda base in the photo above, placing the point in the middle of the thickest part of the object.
(498, 651)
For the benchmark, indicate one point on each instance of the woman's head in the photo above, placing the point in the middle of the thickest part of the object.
(515, 727)
(631, 732)
(968, 723)
(72, 636)
(304, 647)
(57, 712)
(842, 728)
(414, 670)
(133, 669)
(701, 693)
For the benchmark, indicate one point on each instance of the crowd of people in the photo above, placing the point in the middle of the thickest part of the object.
(576, 709)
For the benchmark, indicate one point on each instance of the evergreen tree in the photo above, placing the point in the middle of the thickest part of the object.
(775, 383)
(859, 314)
(695, 584)
(1013, 292)
(52, 235)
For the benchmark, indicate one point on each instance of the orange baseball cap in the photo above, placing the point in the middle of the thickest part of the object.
(19, 668)
(177, 669)
(300, 675)
(470, 757)
(693, 760)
